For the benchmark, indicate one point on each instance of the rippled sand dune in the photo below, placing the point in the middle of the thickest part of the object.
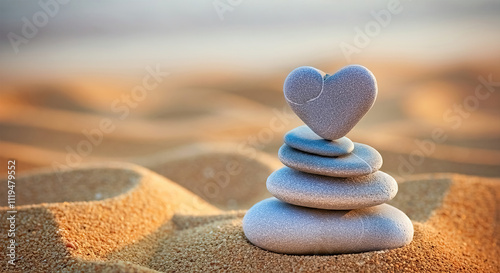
(111, 217)
(195, 155)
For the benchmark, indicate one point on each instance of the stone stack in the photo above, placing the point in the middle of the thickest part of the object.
(329, 198)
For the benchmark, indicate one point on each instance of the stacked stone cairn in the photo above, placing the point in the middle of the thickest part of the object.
(330, 196)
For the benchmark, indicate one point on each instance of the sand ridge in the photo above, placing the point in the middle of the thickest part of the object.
(151, 224)
(227, 106)
(117, 217)
(82, 228)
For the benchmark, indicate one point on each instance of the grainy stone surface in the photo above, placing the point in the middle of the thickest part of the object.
(362, 160)
(304, 139)
(334, 193)
(331, 105)
(280, 227)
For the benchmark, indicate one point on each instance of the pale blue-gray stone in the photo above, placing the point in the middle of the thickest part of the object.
(304, 139)
(330, 105)
(362, 160)
(284, 228)
(334, 193)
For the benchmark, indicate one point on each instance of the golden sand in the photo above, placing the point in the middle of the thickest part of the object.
(174, 214)
(120, 217)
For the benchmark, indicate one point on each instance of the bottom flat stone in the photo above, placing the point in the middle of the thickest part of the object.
(280, 227)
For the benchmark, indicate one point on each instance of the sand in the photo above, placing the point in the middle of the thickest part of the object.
(122, 217)
(167, 204)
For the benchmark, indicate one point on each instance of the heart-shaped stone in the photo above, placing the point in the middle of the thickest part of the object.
(331, 105)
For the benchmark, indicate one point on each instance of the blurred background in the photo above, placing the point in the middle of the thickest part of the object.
(151, 81)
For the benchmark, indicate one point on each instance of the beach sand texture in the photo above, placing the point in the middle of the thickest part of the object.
(167, 189)
(122, 217)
